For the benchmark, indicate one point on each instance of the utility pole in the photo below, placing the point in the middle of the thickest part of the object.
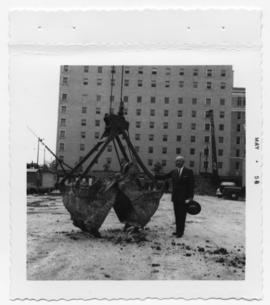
(38, 151)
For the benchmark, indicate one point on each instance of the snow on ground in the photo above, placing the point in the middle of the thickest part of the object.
(213, 246)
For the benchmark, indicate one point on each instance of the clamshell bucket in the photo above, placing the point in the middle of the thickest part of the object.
(89, 205)
(133, 204)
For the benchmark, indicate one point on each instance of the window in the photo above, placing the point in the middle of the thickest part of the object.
(152, 124)
(195, 85)
(192, 151)
(191, 163)
(96, 135)
(237, 165)
(140, 70)
(83, 133)
(167, 84)
(179, 125)
(109, 160)
(64, 109)
(82, 147)
(163, 162)
(207, 126)
(194, 101)
(61, 146)
(138, 124)
(181, 84)
(64, 97)
(98, 110)
(112, 82)
(206, 139)
(153, 83)
(140, 83)
(219, 164)
(139, 99)
(153, 99)
(98, 98)
(208, 101)
(99, 81)
(223, 72)
(150, 162)
(137, 148)
(166, 100)
(63, 122)
(192, 139)
(127, 71)
(151, 137)
(164, 150)
(138, 111)
(154, 71)
(150, 149)
(99, 69)
(221, 140)
(220, 152)
(178, 150)
(221, 127)
(205, 165)
(237, 153)
(193, 126)
(166, 112)
(165, 138)
(238, 115)
(180, 100)
(182, 71)
(195, 72)
(125, 111)
(152, 112)
(86, 69)
(178, 138)
(238, 140)
(209, 73)
(222, 85)
(137, 136)
(125, 98)
(179, 113)
(208, 85)
(65, 80)
(165, 125)
(193, 113)
(126, 82)
(61, 158)
(222, 101)
(206, 151)
(97, 123)
(222, 114)
(113, 70)
(84, 109)
(62, 134)
(65, 68)
(168, 71)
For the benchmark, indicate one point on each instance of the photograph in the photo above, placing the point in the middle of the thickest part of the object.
(137, 172)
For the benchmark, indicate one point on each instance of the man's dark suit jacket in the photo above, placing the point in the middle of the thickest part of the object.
(182, 187)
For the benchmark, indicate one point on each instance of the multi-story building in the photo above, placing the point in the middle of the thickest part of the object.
(238, 120)
(165, 105)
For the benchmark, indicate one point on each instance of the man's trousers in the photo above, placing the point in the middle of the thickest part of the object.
(180, 216)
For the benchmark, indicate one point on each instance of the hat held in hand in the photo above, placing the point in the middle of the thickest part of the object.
(193, 207)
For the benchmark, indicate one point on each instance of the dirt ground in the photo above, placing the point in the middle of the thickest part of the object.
(212, 248)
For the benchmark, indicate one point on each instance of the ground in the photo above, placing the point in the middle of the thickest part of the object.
(213, 246)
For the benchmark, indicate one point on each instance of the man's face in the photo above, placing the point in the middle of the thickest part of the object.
(179, 163)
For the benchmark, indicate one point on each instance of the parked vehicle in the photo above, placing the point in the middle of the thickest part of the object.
(40, 180)
(229, 189)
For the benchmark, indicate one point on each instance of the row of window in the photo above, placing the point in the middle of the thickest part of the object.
(208, 72)
(151, 138)
(153, 83)
(153, 99)
(165, 125)
(152, 112)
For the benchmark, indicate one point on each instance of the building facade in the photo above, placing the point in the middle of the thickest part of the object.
(165, 105)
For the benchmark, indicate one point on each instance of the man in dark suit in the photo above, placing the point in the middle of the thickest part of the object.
(182, 192)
